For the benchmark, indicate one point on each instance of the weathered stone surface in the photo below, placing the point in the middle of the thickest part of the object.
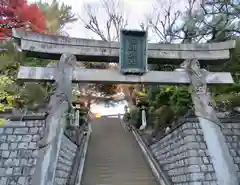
(56, 121)
(37, 74)
(231, 132)
(51, 47)
(19, 153)
(65, 161)
(17, 148)
(184, 156)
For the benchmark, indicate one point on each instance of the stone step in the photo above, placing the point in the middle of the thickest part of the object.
(114, 157)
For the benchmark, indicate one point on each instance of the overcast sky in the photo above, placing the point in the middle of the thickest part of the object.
(136, 12)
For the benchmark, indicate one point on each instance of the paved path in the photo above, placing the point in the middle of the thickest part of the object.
(114, 157)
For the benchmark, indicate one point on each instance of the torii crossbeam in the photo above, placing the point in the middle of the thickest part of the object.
(51, 47)
(80, 75)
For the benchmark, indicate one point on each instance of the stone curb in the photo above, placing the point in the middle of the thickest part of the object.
(158, 173)
(83, 157)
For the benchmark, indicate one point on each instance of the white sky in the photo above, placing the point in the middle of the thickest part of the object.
(136, 12)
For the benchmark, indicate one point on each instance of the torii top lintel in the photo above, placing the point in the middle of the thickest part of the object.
(51, 47)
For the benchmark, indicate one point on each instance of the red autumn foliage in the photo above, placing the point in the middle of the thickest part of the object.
(20, 15)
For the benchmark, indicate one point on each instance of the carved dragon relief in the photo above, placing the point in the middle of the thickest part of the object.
(200, 95)
(62, 93)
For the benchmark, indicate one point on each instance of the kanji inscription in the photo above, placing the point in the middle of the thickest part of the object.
(133, 57)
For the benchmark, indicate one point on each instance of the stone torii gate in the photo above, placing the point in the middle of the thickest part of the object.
(133, 53)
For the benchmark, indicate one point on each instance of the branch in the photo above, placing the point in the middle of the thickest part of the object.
(115, 21)
(163, 25)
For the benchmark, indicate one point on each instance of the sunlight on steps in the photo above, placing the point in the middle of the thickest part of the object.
(101, 108)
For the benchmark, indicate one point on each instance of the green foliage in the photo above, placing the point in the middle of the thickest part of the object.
(5, 96)
(227, 96)
(213, 22)
(25, 94)
(57, 15)
(227, 101)
(177, 97)
(141, 94)
(5, 83)
(83, 112)
(133, 116)
(180, 99)
(31, 95)
(10, 58)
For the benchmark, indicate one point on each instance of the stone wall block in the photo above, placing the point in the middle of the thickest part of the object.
(183, 154)
(65, 161)
(17, 151)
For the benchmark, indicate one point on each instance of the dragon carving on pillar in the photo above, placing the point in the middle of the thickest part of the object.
(62, 93)
(200, 95)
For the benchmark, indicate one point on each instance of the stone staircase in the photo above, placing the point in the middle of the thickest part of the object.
(114, 157)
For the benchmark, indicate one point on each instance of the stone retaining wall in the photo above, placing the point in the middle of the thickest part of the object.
(18, 151)
(231, 132)
(184, 156)
(65, 161)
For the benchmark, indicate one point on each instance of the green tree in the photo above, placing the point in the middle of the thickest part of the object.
(6, 99)
(221, 22)
(32, 95)
(57, 16)
(212, 21)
